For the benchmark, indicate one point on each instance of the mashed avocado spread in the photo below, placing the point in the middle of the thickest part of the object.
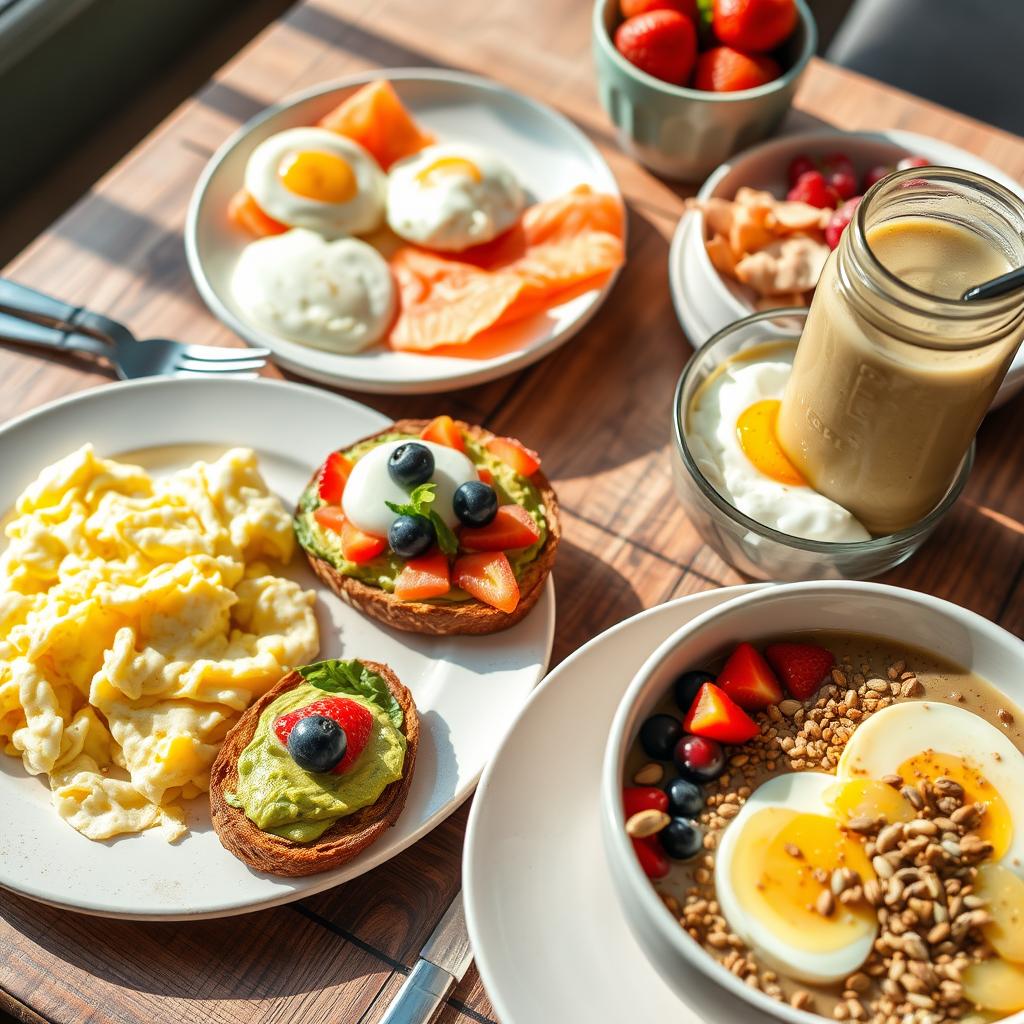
(280, 797)
(383, 571)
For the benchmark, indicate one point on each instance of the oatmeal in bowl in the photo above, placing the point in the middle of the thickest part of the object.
(812, 794)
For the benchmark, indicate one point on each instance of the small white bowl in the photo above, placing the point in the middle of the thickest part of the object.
(705, 301)
(902, 616)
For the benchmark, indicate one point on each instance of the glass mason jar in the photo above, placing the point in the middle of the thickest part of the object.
(891, 382)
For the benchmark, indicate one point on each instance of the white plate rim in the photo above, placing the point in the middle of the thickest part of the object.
(489, 369)
(311, 884)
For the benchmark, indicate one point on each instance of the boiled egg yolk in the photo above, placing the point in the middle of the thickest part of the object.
(756, 429)
(995, 985)
(784, 862)
(1003, 893)
(996, 824)
(448, 167)
(326, 177)
(868, 798)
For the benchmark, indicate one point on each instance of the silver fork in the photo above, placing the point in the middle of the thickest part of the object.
(32, 318)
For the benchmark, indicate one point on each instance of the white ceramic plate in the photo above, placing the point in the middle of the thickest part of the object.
(548, 932)
(705, 302)
(468, 689)
(548, 153)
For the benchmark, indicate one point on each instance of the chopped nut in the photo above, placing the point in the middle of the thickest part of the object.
(646, 823)
(825, 904)
(1004, 716)
(650, 775)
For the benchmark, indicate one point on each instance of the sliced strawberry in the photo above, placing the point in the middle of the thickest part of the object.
(525, 461)
(748, 679)
(330, 517)
(511, 528)
(643, 798)
(489, 578)
(444, 430)
(801, 667)
(715, 715)
(361, 547)
(423, 578)
(334, 475)
(486, 476)
(352, 717)
(651, 856)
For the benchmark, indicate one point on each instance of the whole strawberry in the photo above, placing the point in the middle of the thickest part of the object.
(631, 8)
(754, 26)
(801, 667)
(351, 716)
(661, 43)
(812, 188)
(722, 69)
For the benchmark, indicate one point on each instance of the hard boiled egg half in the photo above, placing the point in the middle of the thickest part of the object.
(452, 196)
(314, 178)
(775, 860)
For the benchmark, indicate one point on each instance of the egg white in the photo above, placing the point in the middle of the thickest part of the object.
(339, 296)
(802, 792)
(798, 511)
(453, 212)
(369, 486)
(359, 216)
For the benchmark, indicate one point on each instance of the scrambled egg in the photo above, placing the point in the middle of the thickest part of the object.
(138, 619)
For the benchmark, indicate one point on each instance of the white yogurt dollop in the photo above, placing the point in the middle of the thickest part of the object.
(370, 487)
(799, 511)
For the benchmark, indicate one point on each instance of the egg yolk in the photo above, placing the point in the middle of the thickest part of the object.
(782, 863)
(995, 984)
(996, 824)
(449, 167)
(756, 429)
(325, 177)
(1003, 893)
(868, 798)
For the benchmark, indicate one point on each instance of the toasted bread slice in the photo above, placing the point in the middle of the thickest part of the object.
(345, 838)
(443, 618)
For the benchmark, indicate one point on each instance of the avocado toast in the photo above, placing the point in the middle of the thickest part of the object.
(276, 814)
(473, 579)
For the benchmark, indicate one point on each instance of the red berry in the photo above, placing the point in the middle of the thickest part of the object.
(799, 165)
(352, 717)
(722, 69)
(875, 175)
(754, 26)
(912, 161)
(651, 856)
(801, 667)
(661, 43)
(839, 221)
(643, 798)
(812, 188)
(747, 678)
(839, 172)
(699, 759)
(631, 8)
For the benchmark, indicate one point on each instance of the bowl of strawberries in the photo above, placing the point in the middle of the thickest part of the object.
(687, 83)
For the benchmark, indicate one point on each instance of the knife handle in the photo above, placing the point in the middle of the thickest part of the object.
(421, 996)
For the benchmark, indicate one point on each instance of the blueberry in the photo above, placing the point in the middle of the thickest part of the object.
(411, 464)
(681, 839)
(475, 503)
(659, 736)
(317, 744)
(411, 536)
(685, 798)
(699, 759)
(687, 685)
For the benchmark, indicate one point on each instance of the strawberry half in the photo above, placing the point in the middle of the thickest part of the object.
(333, 476)
(715, 715)
(802, 667)
(749, 680)
(352, 717)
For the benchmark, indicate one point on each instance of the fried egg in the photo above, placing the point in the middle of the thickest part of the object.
(731, 433)
(339, 296)
(452, 196)
(314, 178)
(138, 618)
(775, 861)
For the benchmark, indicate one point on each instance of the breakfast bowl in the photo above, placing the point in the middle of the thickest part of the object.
(706, 300)
(912, 669)
(754, 549)
(683, 133)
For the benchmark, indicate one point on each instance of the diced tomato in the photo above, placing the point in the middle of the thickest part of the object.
(525, 461)
(512, 527)
(643, 798)
(489, 578)
(444, 430)
(244, 211)
(423, 578)
(361, 547)
(652, 858)
(330, 517)
(749, 680)
(334, 475)
(486, 476)
(715, 715)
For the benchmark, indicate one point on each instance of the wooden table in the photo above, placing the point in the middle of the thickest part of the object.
(598, 410)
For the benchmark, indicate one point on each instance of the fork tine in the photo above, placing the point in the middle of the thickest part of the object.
(220, 366)
(215, 353)
(216, 373)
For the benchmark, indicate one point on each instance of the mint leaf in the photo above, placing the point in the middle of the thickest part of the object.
(419, 504)
(355, 678)
(446, 540)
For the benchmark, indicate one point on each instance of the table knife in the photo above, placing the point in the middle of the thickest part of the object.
(443, 963)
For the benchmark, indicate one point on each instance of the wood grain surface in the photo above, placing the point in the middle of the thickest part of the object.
(603, 428)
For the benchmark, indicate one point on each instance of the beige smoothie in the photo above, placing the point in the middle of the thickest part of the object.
(873, 421)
